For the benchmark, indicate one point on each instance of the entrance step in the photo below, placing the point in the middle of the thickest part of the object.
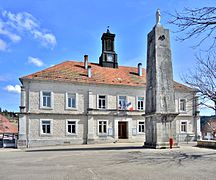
(124, 141)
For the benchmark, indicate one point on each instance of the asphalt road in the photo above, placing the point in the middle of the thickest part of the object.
(108, 162)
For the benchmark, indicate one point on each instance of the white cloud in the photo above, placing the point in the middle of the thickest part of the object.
(13, 37)
(14, 89)
(3, 45)
(47, 39)
(21, 21)
(14, 25)
(36, 61)
(3, 31)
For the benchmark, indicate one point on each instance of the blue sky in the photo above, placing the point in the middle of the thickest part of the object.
(37, 34)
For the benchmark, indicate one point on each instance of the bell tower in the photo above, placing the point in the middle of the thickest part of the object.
(108, 56)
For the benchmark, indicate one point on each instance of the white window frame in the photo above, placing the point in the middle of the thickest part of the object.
(51, 99)
(76, 127)
(126, 99)
(66, 101)
(183, 111)
(106, 101)
(186, 126)
(102, 134)
(143, 103)
(51, 127)
(138, 132)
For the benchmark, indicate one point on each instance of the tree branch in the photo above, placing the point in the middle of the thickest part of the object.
(199, 23)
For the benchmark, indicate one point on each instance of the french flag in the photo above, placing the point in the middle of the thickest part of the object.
(129, 106)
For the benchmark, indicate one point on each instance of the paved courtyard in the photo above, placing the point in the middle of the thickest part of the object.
(108, 161)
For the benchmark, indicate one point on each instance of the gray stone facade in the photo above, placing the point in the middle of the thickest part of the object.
(87, 114)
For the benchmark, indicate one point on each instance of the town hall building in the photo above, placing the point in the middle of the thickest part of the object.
(80, 102)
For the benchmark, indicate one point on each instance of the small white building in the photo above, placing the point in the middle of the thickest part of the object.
(209, 129)
(82, 102)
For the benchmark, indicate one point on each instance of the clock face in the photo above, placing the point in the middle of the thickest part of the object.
(110, 57)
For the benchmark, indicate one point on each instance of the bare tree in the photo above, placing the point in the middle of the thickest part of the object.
(199, 23)
(203, 78)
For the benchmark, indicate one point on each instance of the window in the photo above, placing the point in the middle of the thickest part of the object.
(71, 100)
(141, 127)
(140, 103)
(102, 102)
(102, 127)
(46, 99)
(184, 126)
(122, 103)
(182, 105)
(71, 127)
(45, 127)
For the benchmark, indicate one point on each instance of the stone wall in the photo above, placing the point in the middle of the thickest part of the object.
(58, 134)
(206, 144)
(59, 90)
(87, 121)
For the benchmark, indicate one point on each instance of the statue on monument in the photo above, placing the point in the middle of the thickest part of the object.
(158, 16)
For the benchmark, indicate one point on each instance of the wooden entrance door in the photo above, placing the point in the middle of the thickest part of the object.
(122, 130)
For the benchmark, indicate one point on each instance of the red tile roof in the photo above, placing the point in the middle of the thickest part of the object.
(73, 71)
(6, 126)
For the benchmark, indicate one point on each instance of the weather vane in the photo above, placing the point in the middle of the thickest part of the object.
(108, 31)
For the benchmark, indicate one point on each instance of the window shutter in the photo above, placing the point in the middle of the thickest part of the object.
(41, 99)
(176, 105)
(97, 99)
(52, 100)
(66, 100)
(76, 100)
(107, 102)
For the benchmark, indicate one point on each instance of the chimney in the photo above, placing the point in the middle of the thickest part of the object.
(89, 72)
(140, 69)
(86, 61)
(23, 99)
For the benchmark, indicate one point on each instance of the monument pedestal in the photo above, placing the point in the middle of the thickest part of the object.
(160, 128)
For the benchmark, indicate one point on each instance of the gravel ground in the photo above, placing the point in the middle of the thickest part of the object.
(109, 161)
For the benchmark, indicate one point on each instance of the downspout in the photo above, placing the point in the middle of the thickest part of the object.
(27, 117)
(195, 114)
